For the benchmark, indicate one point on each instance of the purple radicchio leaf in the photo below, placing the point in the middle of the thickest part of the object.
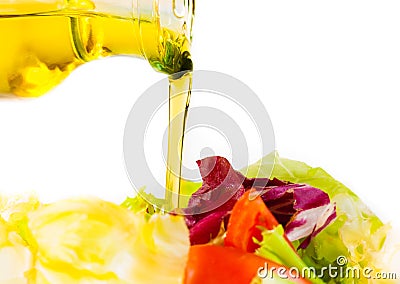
(303, 210)
(207, 228)
(212, 202)
(308, 223)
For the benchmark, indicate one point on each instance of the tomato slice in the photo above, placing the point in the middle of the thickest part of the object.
(213, 264)
(247, 215)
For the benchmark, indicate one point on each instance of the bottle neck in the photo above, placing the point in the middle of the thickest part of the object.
(159, 31)
(165, 28)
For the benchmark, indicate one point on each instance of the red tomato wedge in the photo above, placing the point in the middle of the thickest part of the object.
(219, 265)
(247, 215)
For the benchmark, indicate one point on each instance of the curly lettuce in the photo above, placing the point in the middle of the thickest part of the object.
(89, 240)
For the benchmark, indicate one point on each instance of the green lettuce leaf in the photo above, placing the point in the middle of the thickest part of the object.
(148, 203)
(357, 234)
(275, 247)
(144, 203)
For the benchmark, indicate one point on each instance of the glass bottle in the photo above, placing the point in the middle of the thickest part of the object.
(42, 41)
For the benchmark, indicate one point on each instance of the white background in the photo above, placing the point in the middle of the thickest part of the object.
(327, 71)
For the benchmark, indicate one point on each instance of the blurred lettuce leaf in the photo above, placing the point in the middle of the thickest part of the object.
(15, 256)
(94, 241)
(16, 243)
(15, 209)
(88, 240)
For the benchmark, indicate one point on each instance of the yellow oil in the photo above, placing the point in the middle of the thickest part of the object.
(39, 49)
(179, 99)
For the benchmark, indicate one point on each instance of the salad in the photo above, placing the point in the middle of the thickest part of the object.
(287, 228)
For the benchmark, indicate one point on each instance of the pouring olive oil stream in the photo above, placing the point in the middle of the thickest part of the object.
(44, 41)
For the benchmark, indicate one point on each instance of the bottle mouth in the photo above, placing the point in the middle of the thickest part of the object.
(167, 46)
